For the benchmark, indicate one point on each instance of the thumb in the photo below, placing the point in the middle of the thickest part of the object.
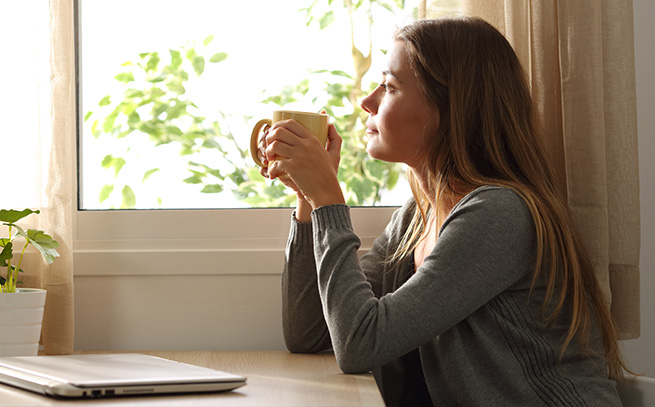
(333, 146)
(334, 140)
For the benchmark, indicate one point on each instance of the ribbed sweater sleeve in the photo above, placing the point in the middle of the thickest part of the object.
(484, 246)
(303, 325)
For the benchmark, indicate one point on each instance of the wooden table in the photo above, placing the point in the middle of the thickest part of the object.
(275, 378)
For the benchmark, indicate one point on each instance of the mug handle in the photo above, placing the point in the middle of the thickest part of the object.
(254, 140)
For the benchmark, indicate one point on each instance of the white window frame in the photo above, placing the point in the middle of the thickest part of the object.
(194, 241)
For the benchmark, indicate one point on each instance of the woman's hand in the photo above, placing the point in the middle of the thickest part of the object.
(299, 161)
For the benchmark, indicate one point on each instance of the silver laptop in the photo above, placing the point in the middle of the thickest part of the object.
(108, 375)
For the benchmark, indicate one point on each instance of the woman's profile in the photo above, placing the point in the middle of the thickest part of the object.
(479, 291)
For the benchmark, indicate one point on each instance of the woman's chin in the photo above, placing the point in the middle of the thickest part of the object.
(373, 151)
(379, 154)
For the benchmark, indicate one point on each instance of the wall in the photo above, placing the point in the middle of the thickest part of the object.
(186, 279)
(640, 353)
(242, 310)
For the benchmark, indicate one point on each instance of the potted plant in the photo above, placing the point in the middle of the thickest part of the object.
(21, 309)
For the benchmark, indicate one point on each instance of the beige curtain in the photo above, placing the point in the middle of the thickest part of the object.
(580, 59)
(58, 204)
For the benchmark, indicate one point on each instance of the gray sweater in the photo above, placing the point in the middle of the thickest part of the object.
(460, 331)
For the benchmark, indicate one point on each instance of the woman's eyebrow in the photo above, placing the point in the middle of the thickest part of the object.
(389, 73)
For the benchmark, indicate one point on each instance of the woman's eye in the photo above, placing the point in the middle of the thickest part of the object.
(385, 86)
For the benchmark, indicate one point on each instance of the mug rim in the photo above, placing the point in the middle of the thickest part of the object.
(299, 112)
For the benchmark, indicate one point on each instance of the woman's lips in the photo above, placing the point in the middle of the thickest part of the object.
(371, 130)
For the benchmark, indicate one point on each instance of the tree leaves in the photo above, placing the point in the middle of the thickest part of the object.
(176, 59)
(122, 77)
(106, 101)
(148, 174)
(156, 103)
(212, 189)
(129, 199)
(218, 57)
(105, 192)
(116, 163)
(326, 19)
(198, 65)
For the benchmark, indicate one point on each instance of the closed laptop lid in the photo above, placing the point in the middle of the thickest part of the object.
(111, 374)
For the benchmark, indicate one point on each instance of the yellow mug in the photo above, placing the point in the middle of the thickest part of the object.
(316, 123)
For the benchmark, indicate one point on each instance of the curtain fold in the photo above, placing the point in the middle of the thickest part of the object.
(580, 60)
(58, 202)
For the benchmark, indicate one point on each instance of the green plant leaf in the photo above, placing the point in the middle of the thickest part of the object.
(176, 59)
(108, 124)
(113, 162)
(335, 73)
(6, 253)
(195, 179)
(218, 57)
(211, 143)
(12, 216)
(129, 199)
(176, 86)
(149, 173)
(105, 101)
(153, 62)
(326, 20)
(105, 192)
(174, 130)
(212, 189)
(386, 6)
(208, 40)
(199, 65)
(44, 243)
(157, 78)
(191, 54)
(124, 77)
(94, 129)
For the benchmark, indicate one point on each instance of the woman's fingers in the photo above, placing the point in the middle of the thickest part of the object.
(261, 153)
(291, 148)
(334, 142)
(289, 136)
(294, 127)
(263, 171)
(301, 163)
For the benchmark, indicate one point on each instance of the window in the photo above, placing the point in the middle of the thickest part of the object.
(170, 90)
(115, 45)
(23, 106)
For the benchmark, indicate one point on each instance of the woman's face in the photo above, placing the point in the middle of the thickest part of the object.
(401, 122)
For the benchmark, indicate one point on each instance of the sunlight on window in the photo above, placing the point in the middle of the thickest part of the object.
(170, 91)
(25, 99)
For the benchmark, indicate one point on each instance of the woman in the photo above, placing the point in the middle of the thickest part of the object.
(479, 291)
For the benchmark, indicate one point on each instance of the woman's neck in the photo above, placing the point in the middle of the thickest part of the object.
(445, 201)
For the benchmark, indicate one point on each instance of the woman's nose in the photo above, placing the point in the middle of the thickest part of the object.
(369, 103)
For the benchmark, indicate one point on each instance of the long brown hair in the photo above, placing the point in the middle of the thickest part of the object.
(488, 135)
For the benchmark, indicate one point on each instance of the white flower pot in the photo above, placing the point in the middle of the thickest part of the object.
(21, 315)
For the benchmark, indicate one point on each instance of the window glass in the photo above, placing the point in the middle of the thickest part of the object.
(24, 106)
(170, 90)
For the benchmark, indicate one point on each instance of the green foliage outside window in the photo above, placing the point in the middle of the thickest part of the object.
(155, 102)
